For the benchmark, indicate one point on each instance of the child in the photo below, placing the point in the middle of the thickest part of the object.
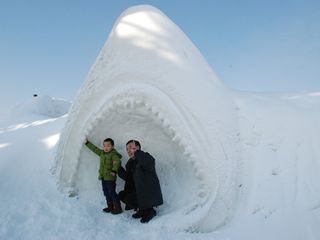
(109, 166)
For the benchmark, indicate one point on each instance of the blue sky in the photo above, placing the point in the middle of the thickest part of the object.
(48, 47)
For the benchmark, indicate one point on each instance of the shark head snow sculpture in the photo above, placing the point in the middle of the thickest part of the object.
(150, 83)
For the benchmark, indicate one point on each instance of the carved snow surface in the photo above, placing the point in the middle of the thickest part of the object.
(151, 83)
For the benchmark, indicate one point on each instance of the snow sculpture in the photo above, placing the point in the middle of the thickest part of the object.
(151, 83)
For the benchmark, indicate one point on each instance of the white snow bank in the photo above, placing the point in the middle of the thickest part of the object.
(278, 184)
(33, 112)
(44, 105)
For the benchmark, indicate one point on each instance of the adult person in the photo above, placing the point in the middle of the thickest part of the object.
(142, 187)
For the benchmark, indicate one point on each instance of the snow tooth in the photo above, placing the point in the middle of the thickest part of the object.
(202, 185)
(106, 113)
(182, 143)
(138, 102)
(89, 127)
(193, 162)
(143, 103)
(131, 104)
(165, 123)
(196, 166)
(157, 115)
(154, 110)
(171, 130)
(173, 138)
(187, 152)
(188, 149)
(126, 104)
(202, 194)
(176, 138)
(199, 174)
(111, 106)
(148, 105)
(99, 118)
(188, 159)
(161, 117)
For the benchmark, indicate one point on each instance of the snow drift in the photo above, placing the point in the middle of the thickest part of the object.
(22, 115)
(45, 105)
(150, 83)
(278, 197)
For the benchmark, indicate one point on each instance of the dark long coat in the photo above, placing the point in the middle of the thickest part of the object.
(146, 181)
(127, 175)
(128, 194)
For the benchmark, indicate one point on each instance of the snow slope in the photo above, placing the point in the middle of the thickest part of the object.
(278, 188)
(232, 165)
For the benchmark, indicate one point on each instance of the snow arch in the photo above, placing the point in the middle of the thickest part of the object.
(150, 83)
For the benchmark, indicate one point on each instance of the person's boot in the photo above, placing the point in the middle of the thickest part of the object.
(116, 209)
(109, 208)
(138, 214)
(128, 207)
(148, 215)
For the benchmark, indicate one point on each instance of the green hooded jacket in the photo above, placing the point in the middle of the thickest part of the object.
(109, 162)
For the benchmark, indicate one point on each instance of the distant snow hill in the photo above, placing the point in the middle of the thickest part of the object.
(44, 105)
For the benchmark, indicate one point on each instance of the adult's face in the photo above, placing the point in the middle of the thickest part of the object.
(131, 149)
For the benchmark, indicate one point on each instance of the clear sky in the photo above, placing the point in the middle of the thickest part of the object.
(48, 46)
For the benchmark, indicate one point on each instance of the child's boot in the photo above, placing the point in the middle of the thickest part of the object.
(116, 208)
(109, 208)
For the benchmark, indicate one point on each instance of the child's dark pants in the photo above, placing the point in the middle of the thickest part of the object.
(109, 190)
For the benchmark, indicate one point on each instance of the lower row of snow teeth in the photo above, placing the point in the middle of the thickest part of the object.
(149, 111)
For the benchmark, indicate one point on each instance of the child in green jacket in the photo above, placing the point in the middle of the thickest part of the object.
(109, 166)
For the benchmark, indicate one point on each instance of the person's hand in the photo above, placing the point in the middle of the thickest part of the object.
(113, 173)
(86, 140)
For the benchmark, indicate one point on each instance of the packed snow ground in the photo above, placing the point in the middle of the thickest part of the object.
(279, 184)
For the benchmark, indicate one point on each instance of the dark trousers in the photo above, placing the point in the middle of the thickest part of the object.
(109, 190)
(129, 199)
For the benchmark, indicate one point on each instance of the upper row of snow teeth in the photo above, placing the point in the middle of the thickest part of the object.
(156, 115)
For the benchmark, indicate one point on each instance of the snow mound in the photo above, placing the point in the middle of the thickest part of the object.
(44, 105)
(151, 83)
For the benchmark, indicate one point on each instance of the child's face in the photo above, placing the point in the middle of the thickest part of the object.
(131, 149)
(107, 147)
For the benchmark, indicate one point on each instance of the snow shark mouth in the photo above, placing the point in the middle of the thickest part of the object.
(131, 113)
(178, 110)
